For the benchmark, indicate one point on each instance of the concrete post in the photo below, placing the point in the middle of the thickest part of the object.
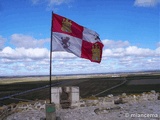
(50, 111)
(55, 96)
(74, 95)
(58, 96)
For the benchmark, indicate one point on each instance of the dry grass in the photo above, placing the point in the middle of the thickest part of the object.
(89, 86)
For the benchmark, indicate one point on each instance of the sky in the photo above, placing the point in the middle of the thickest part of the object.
(129, 30)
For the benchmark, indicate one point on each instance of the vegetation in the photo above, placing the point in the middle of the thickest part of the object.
(88, 87)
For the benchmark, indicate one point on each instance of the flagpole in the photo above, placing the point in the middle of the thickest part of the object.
(50, 78)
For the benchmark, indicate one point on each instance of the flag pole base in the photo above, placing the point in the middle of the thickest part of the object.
(50, 111)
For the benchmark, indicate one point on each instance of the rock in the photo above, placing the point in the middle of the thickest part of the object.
(119, 101)
(153, 91)
(97, 111)
(158, 98)
(110, 95)
(106, 108)
(58, 118)
(124, 94)
(82, 105)
(115, 108)
(42, 118)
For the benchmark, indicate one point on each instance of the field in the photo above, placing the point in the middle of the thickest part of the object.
(88, 86)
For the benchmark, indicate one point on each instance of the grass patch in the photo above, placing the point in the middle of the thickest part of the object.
(87, 86)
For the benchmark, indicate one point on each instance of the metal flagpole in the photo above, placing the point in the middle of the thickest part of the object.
(50, 78)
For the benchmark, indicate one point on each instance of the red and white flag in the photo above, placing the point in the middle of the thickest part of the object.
(71, 37)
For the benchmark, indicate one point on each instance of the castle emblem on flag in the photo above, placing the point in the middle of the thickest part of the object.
(67, 35)
(66, 25)
(96, 52)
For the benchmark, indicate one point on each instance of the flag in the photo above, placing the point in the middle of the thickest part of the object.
(69, 36)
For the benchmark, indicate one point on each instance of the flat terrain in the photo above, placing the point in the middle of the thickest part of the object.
(89, 85)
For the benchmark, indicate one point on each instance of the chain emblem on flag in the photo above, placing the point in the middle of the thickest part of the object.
(66, 25)
(97, 37)
(96, 52)
(71, 37)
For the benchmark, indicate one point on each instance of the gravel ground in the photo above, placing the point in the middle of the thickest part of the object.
(149, 110)
(144, 107)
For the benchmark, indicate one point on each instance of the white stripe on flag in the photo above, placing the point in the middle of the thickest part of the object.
(64, 42)
(90, 35)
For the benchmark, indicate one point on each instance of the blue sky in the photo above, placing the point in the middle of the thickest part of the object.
(129, 30)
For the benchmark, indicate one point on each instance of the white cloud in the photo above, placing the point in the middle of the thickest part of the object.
(2, 41)
(130, 58)
(20, 40)
(63, 55)
(114, 44)
(22, 61)
(24, 54)
(52, 3)
(146, 3)
(157, 51)
(57, 2)
(117, 56)
(116, 52)
(35, 1)
(123, 48)
(135, 51)
(158, 44)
